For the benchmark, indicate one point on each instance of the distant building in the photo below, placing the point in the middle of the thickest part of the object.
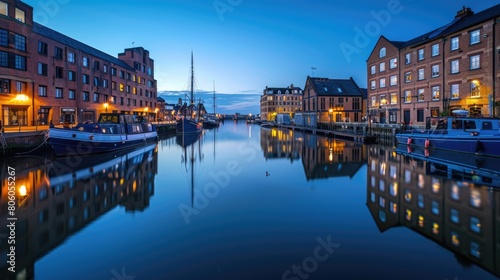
(276, 101)
(47, 76)
(452, 67)
(333, 100)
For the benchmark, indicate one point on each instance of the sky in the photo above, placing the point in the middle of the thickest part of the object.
(242, 45)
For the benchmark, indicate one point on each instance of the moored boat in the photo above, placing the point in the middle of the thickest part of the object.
(112, 132)
(456, 133)
(187, 125)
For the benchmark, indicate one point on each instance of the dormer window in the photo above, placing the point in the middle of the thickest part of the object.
(382, 52)
(339, 89)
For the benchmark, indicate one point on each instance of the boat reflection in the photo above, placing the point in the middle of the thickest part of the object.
(322, 157)
(56, 199)
(451, 207)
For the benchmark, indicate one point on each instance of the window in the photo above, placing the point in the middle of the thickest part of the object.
(127, 89)
(58, 53)
(85, 61)
(374, 101)
(454, 43)
(393, 63)
(454, 216)
(96, 97)
(407, 77)
(122, 87)
(373, 84)
(20, 15)
(96, 81)
(421, 95)
(421, 75)
(382, 67)
(96, 65)
(59, 72)
(382, 82)
(408, 58)
(113, 85)
(421, 54)
(42, 48)
(85, 79)
(435, 50)
(407, 96)
(121, 100)
(435, 93)
(475, 89)
(122, 74)
(435, 71)
(382, 52)
(454, 91)
(420, 115)
(71, 57)
(113, 71)
(71, 75)
(85, 96)
(474, 37)
(394, 80)
(71, 94)
(20, 42)
(475, 225)
(475, 62)
(4, 86)
(454, 67)
(42, 91)
(59, 93)
(4, 37)
(105, 83)
(20, 62)
(394, 98)
(42, 69)
(4, 8)
(105, 68)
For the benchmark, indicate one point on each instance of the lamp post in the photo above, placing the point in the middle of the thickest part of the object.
(331, 116)
(106, 107)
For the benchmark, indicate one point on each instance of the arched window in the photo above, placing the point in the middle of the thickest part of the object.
(382, 52)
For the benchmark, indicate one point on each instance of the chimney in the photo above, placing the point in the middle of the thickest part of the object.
(464, 12)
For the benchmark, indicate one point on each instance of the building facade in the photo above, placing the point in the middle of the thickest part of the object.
(453, 67)
(333, 100)
(49, 77)
(274, 101)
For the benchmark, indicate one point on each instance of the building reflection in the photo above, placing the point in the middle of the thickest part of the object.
(322, 157)
(56, 200)
(452, 208)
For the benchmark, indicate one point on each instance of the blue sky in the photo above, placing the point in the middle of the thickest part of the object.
(246, 45)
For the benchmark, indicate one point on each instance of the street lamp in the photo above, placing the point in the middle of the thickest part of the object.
(106, 106)
(331, 116)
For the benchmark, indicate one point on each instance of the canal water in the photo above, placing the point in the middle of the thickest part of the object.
(243, 202)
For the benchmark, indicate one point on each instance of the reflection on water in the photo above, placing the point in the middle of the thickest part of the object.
(452, 205)
(59, 198)
(321, 157)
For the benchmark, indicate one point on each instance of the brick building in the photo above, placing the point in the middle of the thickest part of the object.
(333, 100)
(47, 76)
(280, 100)
(455, 66)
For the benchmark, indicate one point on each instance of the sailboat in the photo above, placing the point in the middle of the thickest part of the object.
(211, 121)
(189, 121)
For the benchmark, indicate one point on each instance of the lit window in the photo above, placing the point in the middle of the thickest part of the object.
(475, 89)
(475, 225)
(421, 221)
(421, 95)
(4, 8)
(454, 91)
(20, 16)
(455, 238)
(475, 198)
(393, 207)
(455, 192)
(435, 93)
(435, 228)
(407, 195)
(408, 214)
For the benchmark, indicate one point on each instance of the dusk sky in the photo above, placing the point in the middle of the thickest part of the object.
(246, 45)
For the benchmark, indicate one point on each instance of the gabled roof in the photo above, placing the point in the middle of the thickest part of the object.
(335, 87)
(396, 44)
(275, 90)
(61, 38)
(454, 26)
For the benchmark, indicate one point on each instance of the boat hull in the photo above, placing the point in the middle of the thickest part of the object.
(188, 126)
(66, 142)
(485, 145)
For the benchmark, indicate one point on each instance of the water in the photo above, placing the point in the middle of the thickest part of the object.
(248, 203)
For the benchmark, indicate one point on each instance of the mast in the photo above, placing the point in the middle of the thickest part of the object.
(192, 79)
(214, 98)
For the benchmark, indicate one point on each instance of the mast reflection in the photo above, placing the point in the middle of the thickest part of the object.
(56, 199)
(444, 203)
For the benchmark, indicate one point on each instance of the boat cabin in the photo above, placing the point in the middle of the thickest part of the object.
(116, 123)
(463, 124)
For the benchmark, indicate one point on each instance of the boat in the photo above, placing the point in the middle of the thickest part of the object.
(456, 133)
(112, 132)
(189, 121)
(211, 121)
(267, 124)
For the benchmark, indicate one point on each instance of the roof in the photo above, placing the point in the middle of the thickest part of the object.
(275, 90)
(336, 87)
(61, 38)
(454, 26)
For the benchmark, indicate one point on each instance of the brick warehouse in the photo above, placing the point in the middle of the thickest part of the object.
(47, 76)
(453, 67)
